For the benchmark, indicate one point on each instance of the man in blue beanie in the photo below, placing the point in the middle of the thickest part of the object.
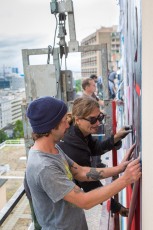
(58, 202)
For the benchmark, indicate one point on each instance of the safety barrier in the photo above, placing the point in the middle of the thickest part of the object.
(17, 142)
(5, 212)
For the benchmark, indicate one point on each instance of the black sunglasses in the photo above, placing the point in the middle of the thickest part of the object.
(93, 120)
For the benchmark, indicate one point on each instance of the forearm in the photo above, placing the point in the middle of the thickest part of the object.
(116, 138)
(105, 145)
(109, 172)
(88, 200)
(96, 196)
(102, 194)
(94, 174)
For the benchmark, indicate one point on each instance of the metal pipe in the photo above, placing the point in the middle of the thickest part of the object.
(114, 157)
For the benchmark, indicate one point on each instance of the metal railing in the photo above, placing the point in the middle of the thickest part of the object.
(12, 142)
(9, 206)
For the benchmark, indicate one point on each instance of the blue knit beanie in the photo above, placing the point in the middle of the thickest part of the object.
(45, 113)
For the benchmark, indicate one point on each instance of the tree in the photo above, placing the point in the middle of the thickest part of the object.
(18, 129)
(3, 136)
(78, 85)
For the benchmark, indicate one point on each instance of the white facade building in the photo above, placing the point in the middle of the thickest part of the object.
(5, 112)
(10, 109)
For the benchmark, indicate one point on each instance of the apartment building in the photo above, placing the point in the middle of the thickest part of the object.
(16, 109)
(10, 109)
(91, 62)
(5, 112)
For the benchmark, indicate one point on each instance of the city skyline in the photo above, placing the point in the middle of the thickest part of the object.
(28, 24)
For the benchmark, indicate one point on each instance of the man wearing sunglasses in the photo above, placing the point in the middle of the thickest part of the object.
(81, 146)
(89, 89)
(93, 120)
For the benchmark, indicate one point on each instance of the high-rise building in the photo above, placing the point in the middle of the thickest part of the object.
(16, 82)
(91, 62)
(5, 70)
(10, 78)
(4, 83)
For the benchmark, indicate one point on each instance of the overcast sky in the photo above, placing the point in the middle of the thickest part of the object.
(26, 24)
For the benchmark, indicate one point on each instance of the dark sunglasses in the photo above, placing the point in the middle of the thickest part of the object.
(93, 120)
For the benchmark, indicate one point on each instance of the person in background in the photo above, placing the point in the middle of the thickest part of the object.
(119, 94)
(94, 77)
(58, 202)
(81, 146)
(100, 87)
(89, 89)
(111, 84)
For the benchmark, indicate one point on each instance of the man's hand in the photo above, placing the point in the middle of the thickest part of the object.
(133, 171)
(123, 132)
(127, 158)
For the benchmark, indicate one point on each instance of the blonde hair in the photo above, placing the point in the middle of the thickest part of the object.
(83, 106)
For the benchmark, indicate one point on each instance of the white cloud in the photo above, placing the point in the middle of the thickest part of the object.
(30, 24)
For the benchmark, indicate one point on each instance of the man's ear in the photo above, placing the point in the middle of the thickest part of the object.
(76, 120)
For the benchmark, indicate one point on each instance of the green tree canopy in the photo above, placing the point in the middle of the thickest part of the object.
(18, 129)
(3, 136)
(78, 85)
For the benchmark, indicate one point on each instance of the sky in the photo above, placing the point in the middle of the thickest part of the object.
(29, 24)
